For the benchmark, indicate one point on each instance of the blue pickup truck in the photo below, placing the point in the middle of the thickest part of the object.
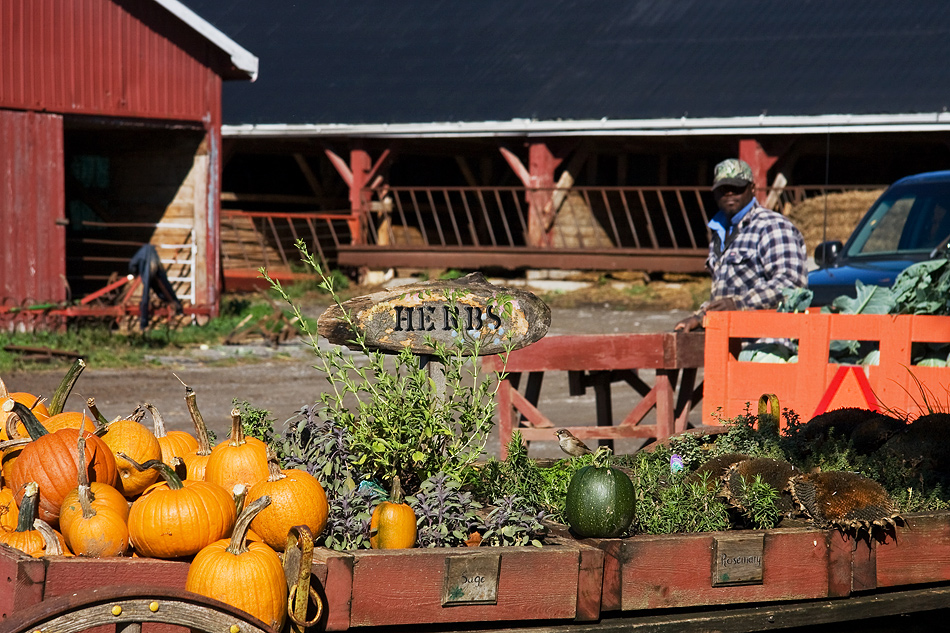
(909, 223)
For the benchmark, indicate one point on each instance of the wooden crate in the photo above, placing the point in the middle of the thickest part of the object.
(405, 587)
(677, 570)
(813, 385)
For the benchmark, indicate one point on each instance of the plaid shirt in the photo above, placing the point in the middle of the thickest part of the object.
(764, 254)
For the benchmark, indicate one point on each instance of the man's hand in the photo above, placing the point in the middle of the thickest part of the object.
(690, 323)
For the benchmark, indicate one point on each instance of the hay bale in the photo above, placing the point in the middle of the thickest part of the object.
(844, 211)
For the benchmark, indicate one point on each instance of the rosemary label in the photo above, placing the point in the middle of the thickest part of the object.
(737, 560)
(471, 579)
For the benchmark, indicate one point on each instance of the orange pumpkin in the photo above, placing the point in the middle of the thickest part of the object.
(101, 495)
(34, 403)
(95, 532)
(297, 498)
(173, 443)
(238, 460)
(52, 461)
(393, 524)
(8, 508)
(225, 569)
(177, 518)
(70, 420)
(33, 539)
(135, 440)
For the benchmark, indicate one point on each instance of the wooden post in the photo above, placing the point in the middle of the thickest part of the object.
(760, 161)
(539, 179)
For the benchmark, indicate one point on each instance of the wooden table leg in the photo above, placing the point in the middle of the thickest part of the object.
(605, 414)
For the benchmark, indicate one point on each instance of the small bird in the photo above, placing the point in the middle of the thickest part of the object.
(570, 444)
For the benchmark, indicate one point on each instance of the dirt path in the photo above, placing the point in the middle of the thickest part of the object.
(284, 379)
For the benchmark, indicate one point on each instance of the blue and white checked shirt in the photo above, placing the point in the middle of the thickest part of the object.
(759, 257)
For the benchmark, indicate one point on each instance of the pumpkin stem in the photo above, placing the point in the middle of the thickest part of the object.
(602, 457)
(28, 507)
(52, 546)
(237, 431)
(65, 387)
(243, 524)
(240, 495)
(3, 389)
(33, 426)
(101, 421)
(274, 472)
(158, 422)
(166, 471)
(201, 429)
(85, 492)
(84, 470)
(395, 495)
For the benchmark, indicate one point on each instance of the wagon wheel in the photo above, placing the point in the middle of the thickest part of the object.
(128, 607)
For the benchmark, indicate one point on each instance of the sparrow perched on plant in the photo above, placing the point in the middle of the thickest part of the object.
(570, 444)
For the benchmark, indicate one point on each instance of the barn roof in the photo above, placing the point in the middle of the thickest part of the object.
(245, 63)
(450, 68)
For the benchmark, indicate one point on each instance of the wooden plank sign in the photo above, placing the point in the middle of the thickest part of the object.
(737, 560)
(485, 319)
(471, 579)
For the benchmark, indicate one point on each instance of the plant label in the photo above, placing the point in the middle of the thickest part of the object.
(471, 579)
(471, 312)
(737, 560)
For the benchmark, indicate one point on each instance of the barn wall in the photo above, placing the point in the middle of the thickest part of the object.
(32, 255)
(100, 57)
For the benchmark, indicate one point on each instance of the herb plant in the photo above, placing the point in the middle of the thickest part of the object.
(397, 422)
(447, 516)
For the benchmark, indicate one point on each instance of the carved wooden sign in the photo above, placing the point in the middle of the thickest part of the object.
(737, 560)
(470, 311)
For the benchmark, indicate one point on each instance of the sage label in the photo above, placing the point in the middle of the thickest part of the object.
(471, 579)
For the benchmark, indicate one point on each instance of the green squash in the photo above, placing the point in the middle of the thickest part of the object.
(600, 502)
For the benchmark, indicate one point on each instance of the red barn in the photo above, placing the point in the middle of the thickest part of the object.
(110, 138)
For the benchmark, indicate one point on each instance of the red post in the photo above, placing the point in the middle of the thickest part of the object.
(539, 179)
(760, 161)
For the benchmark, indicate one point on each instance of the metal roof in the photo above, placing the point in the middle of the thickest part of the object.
(455, 68)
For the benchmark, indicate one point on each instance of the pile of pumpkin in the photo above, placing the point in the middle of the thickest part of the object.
(150, 493)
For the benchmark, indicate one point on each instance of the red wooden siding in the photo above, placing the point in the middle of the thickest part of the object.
(32, 199)
(102, 57)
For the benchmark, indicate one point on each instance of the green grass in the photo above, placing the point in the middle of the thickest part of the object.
(103, 346)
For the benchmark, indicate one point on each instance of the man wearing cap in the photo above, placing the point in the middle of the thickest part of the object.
(754, 253)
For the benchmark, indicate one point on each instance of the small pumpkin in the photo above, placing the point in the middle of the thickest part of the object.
(96, 532)
(136, 440)
(393, 524)
(239, 459)
(297, 498)
(32, 536)
(600, 501)
(34, 403)
(70, 420)
(196, 461)
(173, 443)
(102, 496)
(177, 518)
(52, 461)
(8, 508)
(225, 569)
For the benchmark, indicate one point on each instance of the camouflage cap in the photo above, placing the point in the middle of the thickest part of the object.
(732, 171)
